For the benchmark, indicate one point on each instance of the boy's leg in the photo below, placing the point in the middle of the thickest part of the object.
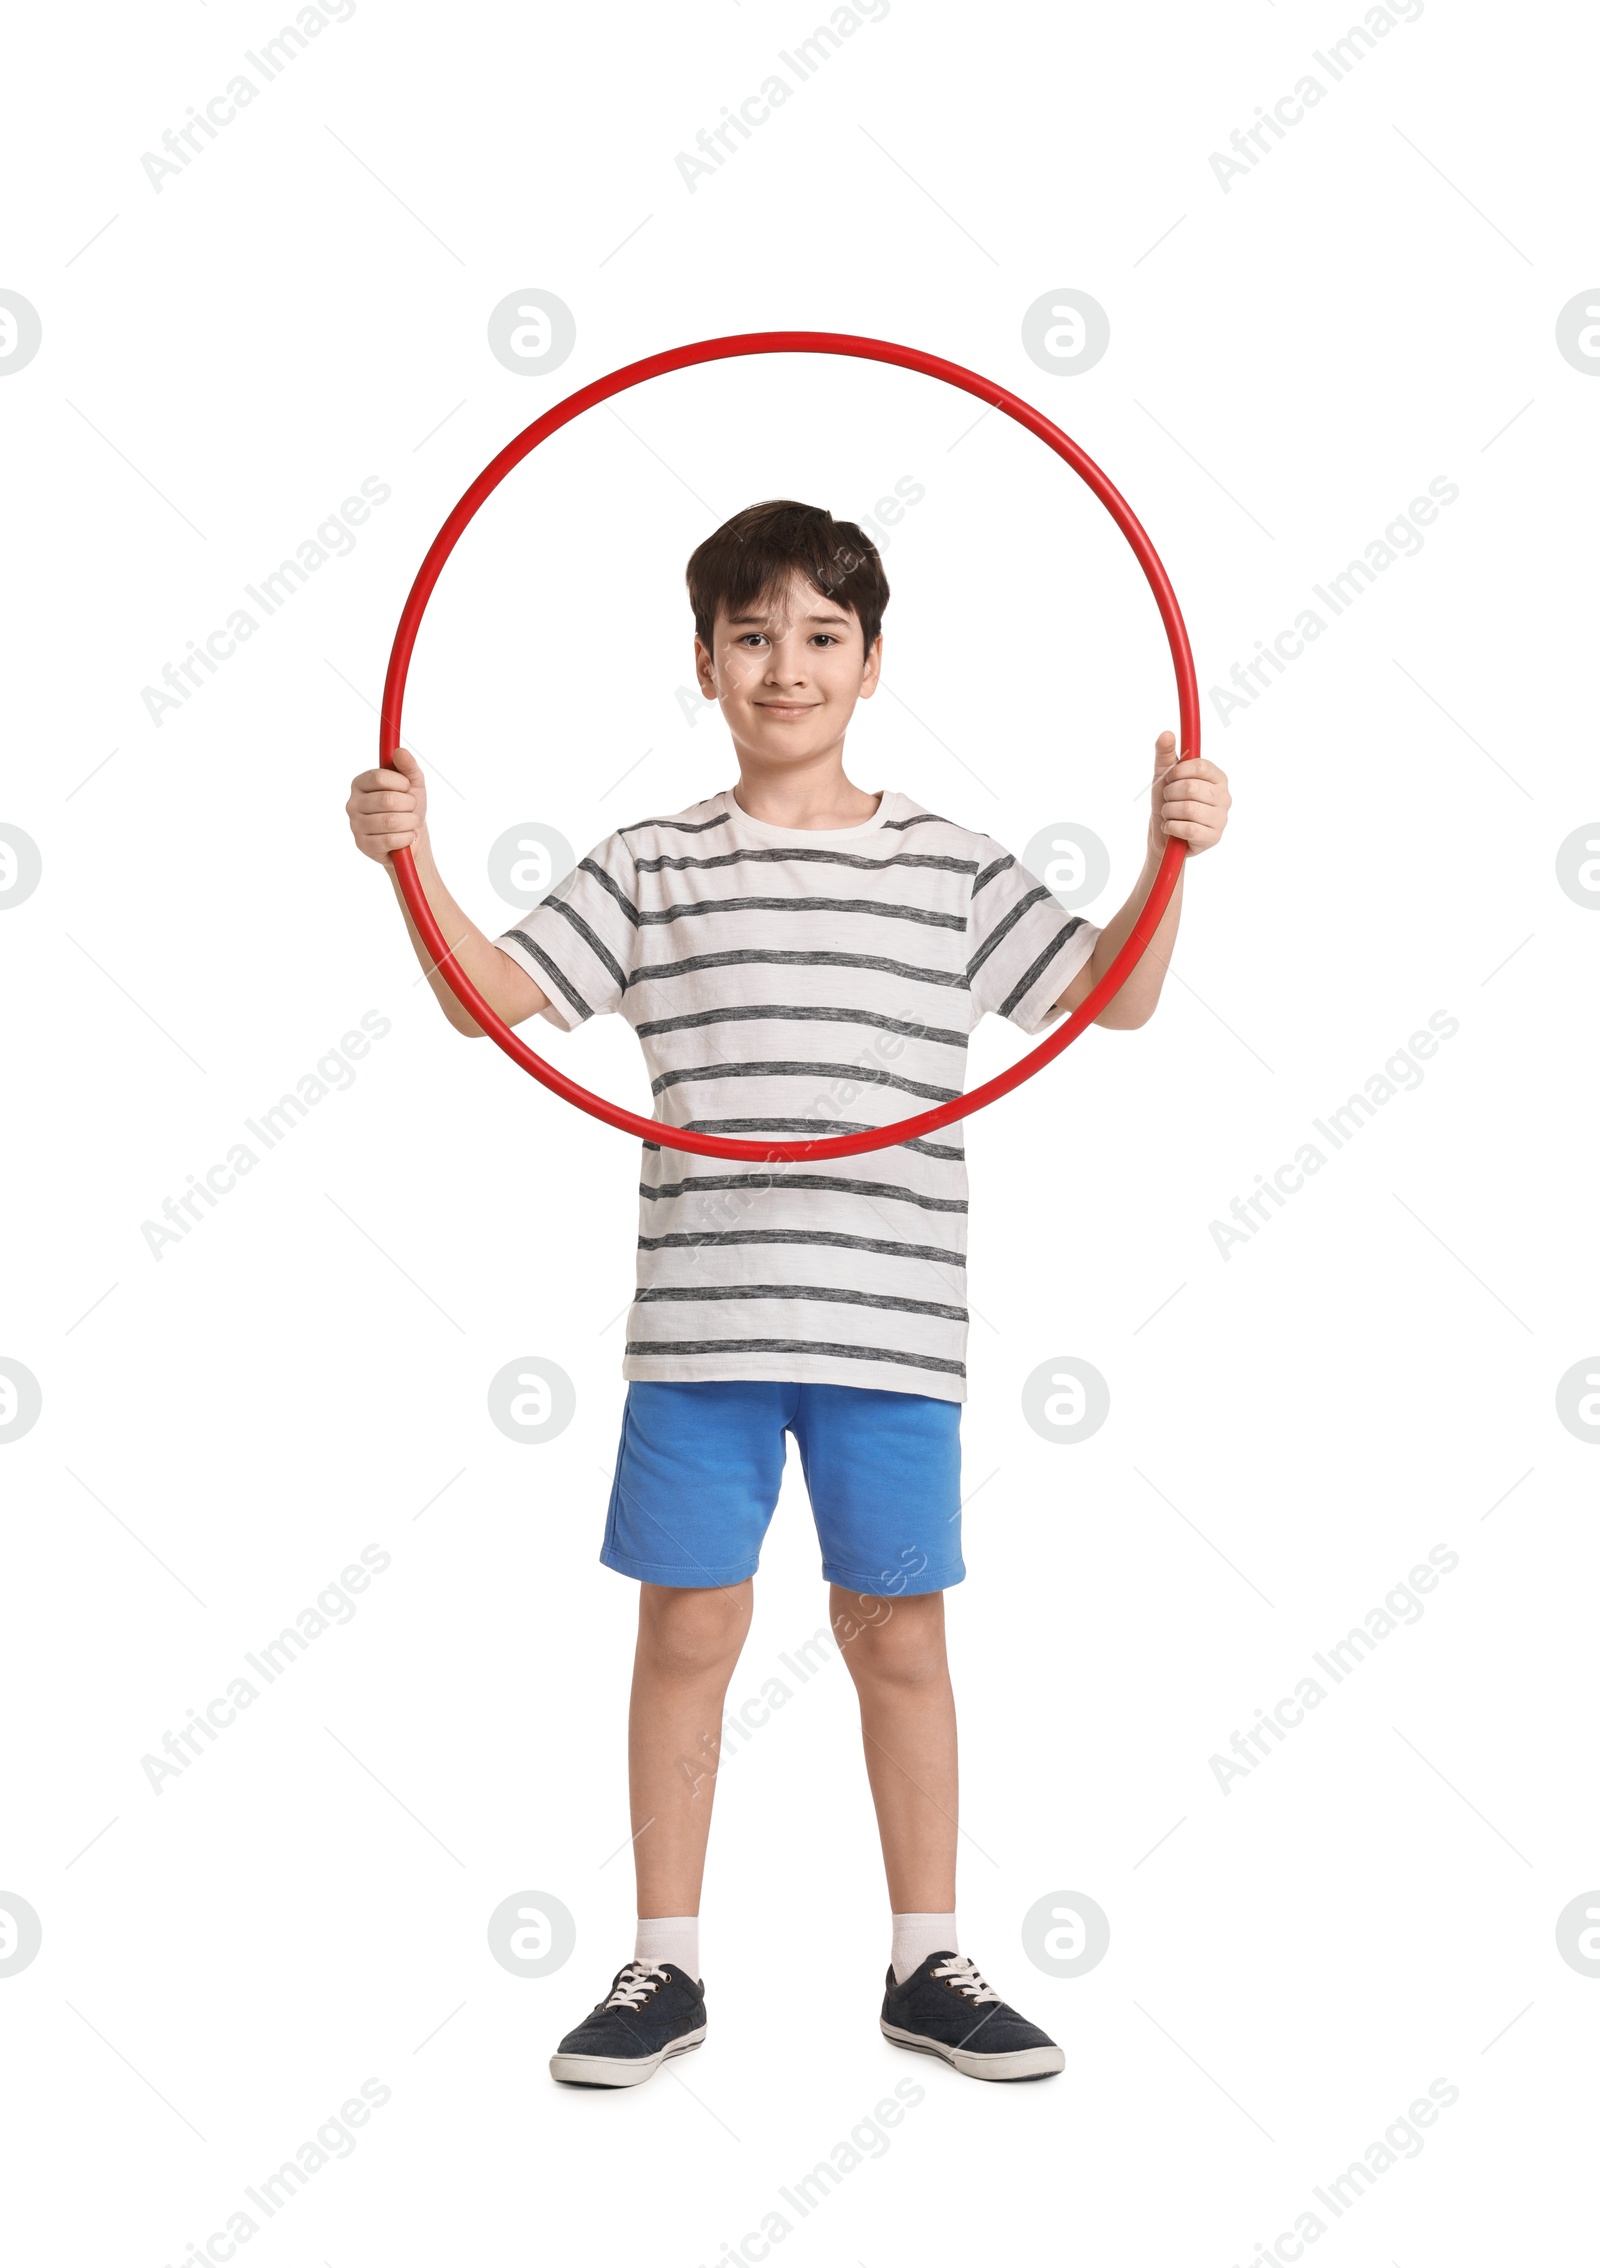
(688, 1643)
(935, 2001)
(884, 1474)
(895, 1651)
(699, 1468)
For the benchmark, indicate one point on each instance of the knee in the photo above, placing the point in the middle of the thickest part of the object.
(690, 1633)
(903, 1648)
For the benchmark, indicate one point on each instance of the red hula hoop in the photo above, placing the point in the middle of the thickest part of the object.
(718, 350)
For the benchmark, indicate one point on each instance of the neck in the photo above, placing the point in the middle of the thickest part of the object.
(810, 794)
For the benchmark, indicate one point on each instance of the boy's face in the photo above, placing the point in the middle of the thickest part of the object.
(788, 673)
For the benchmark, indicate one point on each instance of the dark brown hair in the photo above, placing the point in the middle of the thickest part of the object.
(750, 556)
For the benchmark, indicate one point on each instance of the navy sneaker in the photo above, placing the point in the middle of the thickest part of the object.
(651, 2012)
(945, 2009)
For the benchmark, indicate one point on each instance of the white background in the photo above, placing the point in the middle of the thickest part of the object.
(1293, 1425)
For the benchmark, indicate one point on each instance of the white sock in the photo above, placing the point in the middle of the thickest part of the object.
(670, 1937)
(918, 1935)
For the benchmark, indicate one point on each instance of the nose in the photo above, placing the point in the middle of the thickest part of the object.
(786, 659)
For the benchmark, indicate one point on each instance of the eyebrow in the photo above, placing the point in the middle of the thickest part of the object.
(762, 619)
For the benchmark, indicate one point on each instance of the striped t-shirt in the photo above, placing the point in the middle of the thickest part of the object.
(788, 982)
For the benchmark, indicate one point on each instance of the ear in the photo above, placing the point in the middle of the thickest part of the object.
(871, 668)
(704, 673)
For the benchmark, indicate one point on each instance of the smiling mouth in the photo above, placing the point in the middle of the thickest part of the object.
(790, 708)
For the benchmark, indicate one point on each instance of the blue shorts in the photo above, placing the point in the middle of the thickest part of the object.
(700, 1464)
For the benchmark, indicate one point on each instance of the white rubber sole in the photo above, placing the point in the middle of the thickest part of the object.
(619, 2070)
(1021, 2063)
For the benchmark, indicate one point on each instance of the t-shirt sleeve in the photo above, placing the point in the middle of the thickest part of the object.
(579, 943)
(1023, 950)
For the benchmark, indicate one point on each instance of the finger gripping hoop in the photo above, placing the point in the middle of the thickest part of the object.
(719, 350)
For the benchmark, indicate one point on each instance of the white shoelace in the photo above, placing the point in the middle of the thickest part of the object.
(637, 1981)
(965, 1978)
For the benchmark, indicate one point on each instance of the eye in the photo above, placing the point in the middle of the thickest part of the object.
(824, 637)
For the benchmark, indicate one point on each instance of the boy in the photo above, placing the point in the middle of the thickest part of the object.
(798, 957)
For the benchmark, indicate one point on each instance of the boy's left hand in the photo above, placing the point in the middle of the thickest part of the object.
(1188, 799)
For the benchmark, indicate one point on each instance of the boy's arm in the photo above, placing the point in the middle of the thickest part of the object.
(388, 812)
(1189, 800)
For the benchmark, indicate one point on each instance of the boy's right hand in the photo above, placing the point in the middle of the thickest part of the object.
(388, 809)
